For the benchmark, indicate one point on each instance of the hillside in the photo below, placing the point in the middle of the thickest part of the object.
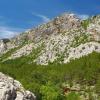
(58, 60)
(64, 38)
(77, 80)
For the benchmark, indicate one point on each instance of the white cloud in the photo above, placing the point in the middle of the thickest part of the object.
(83, 16)
(9, 32)
(44, 18)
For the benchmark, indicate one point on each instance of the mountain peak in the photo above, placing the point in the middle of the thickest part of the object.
(59, 40)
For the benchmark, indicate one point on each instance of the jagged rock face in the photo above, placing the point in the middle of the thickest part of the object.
(94, 28)
(2, 46)
(61, 24)
(61, 39)
(6, 45)
(11, 89)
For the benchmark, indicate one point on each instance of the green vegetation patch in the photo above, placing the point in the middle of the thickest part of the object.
(85, 23)
(46, 81)
(81, 39)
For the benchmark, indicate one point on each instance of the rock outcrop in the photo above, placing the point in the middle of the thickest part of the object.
(2, 46)
(11, 89)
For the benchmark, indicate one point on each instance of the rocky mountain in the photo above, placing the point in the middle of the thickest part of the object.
(64, 38)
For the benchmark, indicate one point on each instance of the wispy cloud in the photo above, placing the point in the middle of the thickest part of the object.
(83, 16)
(7, 31)
(44, 18)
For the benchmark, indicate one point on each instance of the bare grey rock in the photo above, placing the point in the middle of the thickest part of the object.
(2, 46)
(11, 89)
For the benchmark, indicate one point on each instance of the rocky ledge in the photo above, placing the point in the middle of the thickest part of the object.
(11, 89)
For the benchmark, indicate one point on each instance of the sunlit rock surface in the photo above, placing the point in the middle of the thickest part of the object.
(11, 89)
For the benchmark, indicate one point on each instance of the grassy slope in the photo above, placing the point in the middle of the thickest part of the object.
(33, 76)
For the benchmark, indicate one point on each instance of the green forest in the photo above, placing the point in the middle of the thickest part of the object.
(48, 82)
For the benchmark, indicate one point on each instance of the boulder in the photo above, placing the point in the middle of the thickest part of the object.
(11, 89)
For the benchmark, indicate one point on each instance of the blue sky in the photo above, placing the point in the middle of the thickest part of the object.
(19, 15)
